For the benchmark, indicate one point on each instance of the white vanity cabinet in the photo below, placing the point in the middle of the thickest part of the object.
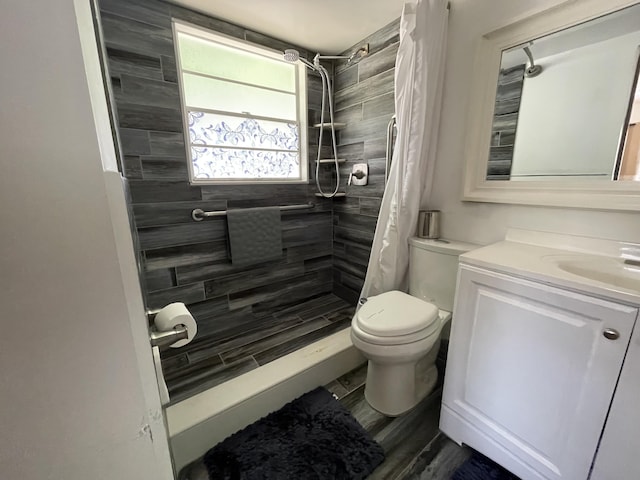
(531, 372)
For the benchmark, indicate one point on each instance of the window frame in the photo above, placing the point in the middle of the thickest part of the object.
(300, 94)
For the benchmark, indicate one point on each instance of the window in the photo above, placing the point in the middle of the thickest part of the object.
(244, 110)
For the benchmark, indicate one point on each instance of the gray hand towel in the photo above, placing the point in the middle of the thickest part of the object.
(255, 235)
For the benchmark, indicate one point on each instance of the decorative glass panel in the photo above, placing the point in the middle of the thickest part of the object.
(224, 130)
(205, 56)
(226, 163)
(215, 94)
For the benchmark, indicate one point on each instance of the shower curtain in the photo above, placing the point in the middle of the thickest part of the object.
(418, 98)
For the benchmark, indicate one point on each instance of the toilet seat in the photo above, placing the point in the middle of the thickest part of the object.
(395, 318)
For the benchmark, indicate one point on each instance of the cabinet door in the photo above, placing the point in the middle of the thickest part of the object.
(617, 457)
(530, 375)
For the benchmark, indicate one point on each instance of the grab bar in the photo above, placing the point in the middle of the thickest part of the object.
(389, 151)
(198, 214)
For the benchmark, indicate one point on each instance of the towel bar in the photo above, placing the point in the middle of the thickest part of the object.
(391, 126)
(199, 214)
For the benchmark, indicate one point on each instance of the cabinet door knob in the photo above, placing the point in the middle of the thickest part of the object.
(610, 333)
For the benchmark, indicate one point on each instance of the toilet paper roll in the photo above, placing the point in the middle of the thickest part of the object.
(173, 315)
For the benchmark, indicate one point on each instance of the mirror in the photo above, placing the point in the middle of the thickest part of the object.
(569, 95)
(556, 110)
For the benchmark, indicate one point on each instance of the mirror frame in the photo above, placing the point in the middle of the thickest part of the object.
(594, 194)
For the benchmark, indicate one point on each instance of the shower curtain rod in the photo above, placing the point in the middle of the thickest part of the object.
(199, 214)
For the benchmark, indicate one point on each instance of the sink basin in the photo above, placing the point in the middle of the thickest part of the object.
(612, 271)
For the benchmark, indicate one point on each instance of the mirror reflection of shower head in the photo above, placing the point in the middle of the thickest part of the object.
(533, 70)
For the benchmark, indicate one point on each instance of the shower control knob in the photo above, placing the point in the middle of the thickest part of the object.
(610, 334)
(359, 174)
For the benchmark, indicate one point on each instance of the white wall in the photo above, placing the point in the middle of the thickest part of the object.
(572, 114)
(73, 405)
(484, 222)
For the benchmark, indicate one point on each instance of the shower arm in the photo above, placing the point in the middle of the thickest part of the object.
(527, 51)
(362, 51)
(307, 63)
(291, 55)
(331, 57)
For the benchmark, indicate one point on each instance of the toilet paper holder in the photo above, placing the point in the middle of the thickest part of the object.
(164, 339)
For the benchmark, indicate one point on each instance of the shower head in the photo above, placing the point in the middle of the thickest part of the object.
(361, 52)
(291, 55)
(533, 70)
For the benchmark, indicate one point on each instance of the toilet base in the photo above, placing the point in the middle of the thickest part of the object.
(394, 389)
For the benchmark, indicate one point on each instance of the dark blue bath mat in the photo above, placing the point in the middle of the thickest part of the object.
(479, 467)
(313, 437)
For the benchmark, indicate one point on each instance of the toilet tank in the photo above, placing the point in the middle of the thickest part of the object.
(433, 266)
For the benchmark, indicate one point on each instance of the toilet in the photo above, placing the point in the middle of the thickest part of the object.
(399, 333)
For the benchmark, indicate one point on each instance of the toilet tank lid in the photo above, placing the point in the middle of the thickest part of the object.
(441, 245)
(396, 313)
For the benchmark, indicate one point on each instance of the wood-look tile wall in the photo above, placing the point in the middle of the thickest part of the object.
(184, 260)
(505, 122)
(364, 100)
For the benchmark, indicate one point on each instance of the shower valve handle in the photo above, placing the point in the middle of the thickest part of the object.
(359, 171)
(359, 174)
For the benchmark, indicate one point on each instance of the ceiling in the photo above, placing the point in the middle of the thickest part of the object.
(326, 26)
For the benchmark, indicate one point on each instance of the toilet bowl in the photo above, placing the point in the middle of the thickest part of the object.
(400, 336)
(399, 333)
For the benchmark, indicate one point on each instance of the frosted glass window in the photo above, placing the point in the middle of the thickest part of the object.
(219, 95)
(239, 164)
(244, 110)
(216, 60)
(213, 129)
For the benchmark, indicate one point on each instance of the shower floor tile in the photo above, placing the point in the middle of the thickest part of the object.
(283, 332)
